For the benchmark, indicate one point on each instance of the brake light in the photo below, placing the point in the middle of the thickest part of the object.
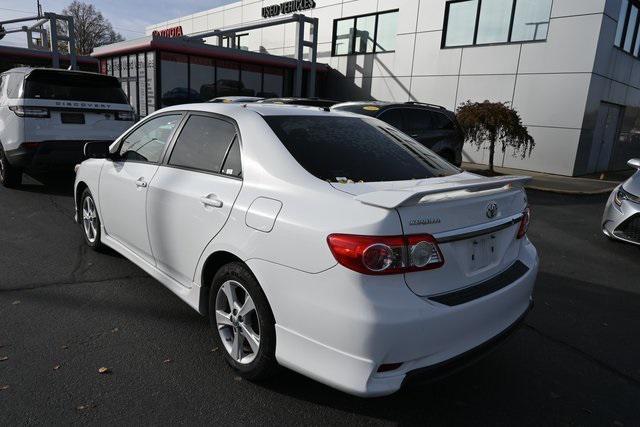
(386, 255)
(24, 111)
(124, 115)
(524, 223)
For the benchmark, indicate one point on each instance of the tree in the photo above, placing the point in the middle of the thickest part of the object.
(494, 122)
(91, 28)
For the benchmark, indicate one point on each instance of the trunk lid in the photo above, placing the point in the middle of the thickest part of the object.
(474, 219)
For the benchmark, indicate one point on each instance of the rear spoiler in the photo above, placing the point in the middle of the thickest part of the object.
(391, 199)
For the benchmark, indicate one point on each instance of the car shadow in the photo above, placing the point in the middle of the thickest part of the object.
(51, 183)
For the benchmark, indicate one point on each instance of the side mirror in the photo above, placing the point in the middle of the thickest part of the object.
(634, 163)
(96, 150)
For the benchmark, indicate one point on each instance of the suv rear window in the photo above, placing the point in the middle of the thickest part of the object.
(337, 149)
(60, 85)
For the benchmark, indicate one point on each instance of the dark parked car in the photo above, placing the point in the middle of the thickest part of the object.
(433, 126)
(309, 102)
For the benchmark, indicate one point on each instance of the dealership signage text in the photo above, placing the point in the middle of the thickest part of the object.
(169, 32)
(287, 7)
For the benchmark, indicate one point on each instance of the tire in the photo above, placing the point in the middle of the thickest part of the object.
(231, 326)
(10, 176)
(90, 221)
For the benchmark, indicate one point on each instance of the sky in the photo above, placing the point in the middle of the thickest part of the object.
(128, 17)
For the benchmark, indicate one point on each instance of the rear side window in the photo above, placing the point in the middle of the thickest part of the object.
(342, 149)
(66, 86)
(418, 120)
(203, 144)
(393, 117)
(232, 165)
(441, 122)
(13, 85)
(146, 143)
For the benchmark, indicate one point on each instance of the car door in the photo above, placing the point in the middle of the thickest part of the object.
(124, 182)
(191, 195)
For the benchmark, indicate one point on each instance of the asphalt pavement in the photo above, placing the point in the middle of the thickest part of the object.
(66, 312)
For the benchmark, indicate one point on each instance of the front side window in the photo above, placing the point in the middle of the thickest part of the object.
(203, 144)
(475, 22)
(343, 149)
(371, 33)
(146, 143)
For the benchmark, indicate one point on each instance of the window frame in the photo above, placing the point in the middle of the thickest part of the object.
(174, 138)
(474, 43)
(354, 19)
(147, 119)
(625, 29)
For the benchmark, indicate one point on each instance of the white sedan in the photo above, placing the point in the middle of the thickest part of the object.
(325, 242)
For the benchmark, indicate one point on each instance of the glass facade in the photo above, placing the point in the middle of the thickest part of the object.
(628, 34)
(180, 79)
(370, 33)
(481, 22)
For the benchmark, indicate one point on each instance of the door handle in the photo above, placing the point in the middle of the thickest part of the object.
(212, 201)
(141, 183)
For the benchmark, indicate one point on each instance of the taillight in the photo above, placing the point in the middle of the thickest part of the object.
(124, 115)
(386, 255)
(24, 111)
(524, 223)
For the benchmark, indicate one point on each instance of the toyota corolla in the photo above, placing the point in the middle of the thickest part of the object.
(325, 242)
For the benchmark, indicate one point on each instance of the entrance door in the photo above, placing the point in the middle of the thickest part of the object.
(605, 136)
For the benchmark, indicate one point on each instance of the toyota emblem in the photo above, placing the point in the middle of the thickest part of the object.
(492, 210)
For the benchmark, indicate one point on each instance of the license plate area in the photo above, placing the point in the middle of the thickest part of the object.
(484, 251)
(72, 118)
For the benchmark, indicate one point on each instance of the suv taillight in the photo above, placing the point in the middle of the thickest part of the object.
(24, 111)
(386, 255)
(524, 223)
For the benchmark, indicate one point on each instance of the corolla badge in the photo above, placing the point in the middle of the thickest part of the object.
(425, 221)
(492, 210)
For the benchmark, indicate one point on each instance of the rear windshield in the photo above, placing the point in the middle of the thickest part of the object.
(73, 87)
(343, 149)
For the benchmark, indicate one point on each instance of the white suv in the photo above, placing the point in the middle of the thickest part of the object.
(46, 116)
(327, 242)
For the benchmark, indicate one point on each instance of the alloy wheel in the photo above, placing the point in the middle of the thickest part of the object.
(90, 219)
(237, 322)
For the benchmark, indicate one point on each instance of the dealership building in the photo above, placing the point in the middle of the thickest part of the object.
(571, 68)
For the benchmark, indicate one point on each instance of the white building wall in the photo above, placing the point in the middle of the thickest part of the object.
(551, 83)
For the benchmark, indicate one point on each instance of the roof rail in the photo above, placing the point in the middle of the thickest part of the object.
(440, 107)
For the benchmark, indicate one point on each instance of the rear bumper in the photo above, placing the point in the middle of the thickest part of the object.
(48, 154)
(339, 328)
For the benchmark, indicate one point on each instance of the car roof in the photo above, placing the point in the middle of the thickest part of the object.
(28, 70)
(237, 109)
(381, 105)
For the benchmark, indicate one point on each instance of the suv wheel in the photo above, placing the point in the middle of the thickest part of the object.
(90, 220)
(10, 176)
(243, 323)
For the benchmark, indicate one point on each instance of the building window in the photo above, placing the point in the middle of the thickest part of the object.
(371, 33)
(482, 22)
(627, 34)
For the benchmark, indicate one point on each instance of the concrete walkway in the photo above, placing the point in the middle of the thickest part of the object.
(557, 183)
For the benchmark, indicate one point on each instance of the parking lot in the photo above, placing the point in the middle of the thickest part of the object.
(67, 311)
